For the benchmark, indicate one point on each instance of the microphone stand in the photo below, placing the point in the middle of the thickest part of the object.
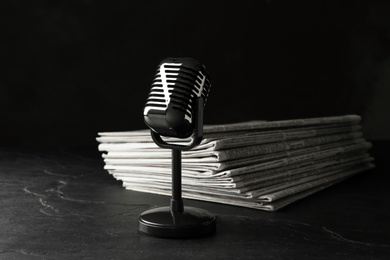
(178, 221)
(176, 201)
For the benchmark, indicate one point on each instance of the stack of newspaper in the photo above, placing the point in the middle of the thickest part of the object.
(259, 164)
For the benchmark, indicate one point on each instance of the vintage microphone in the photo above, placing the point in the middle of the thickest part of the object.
(174, 108)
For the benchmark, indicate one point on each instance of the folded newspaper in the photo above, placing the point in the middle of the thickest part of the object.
(259, 164)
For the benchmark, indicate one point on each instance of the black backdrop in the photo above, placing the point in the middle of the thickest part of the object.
(73, 68)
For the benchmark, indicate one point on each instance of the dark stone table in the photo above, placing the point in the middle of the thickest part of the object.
(61, 204)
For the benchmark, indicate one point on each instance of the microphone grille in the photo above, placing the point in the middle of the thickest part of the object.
(177, 83)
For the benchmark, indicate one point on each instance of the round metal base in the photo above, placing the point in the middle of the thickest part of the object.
(163, 222)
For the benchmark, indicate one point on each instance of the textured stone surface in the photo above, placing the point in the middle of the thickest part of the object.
(62, 204)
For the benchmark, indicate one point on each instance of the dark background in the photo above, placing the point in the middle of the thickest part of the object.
(73, 68)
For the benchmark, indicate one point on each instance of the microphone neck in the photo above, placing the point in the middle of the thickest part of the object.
(198, 130)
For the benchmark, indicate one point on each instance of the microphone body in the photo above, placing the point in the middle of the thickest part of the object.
(171, 106)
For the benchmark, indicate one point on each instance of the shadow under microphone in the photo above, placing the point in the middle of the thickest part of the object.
(174, 108)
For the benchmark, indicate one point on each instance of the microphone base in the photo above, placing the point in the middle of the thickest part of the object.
(191, 223)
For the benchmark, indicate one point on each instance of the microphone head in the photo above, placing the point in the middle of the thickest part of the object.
(170, 106)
